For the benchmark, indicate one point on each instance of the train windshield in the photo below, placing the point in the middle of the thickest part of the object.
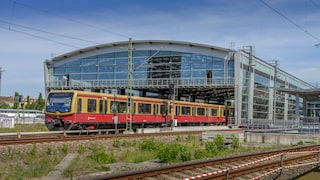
(59, 102)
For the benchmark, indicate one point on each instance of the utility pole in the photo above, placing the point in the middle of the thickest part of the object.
(1, 70)
(275, 90)
(129, 110)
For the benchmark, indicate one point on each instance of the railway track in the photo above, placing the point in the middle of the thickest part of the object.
(282, 164)
(65, 136)
(47, 138)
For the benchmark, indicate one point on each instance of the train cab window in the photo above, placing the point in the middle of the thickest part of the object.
(200, 111)
(92, 105)
(79, 105)
(214, 112)
(144, 108)
(185, 111)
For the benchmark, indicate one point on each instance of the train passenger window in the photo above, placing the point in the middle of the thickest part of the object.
(214, 112)
(193, 111)
(200, 111)
(144, 108)
(122, 107)
(118, 107)
(162, 109)
(79, 105)
(92, 105)
(185, 110)
(114, 107)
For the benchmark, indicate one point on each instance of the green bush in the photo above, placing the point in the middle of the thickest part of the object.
(219, 141)
(235, 142)
(173, 152)
(211, 148)
(200, 153)
(149, 144)
(99, 155)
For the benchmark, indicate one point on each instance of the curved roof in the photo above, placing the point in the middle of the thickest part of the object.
(137, 42)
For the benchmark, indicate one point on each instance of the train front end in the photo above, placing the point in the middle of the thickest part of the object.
(59, 111)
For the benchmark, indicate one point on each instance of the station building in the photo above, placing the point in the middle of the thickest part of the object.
(196, 72)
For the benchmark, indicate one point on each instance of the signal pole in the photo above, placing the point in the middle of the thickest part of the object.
(129, 111)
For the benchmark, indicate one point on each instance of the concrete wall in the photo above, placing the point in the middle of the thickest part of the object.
(283, 139)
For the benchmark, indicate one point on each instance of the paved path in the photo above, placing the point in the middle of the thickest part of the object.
(57, 172)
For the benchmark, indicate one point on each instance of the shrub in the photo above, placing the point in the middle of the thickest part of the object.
(235, 142)
(149, 144)
(99, 155)
(219, 142)
(200, 153)
(173, 152)
(211, 148)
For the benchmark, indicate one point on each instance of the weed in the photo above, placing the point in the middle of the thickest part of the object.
(81, 149)
(219, 141)
(116, 143)
(235, 142)
(65, 148)
(49, 150)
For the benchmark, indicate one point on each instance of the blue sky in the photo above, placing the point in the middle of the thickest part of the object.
(29, 31)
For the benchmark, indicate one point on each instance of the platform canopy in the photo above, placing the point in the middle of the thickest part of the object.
(307, 94)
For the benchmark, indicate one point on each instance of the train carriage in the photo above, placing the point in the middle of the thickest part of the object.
(68, 110)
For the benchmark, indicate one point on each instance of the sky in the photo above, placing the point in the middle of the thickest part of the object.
(32, 31)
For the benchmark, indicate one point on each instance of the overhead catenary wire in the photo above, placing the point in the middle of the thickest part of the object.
(70, 19)
(47, 32)
(11, 25)
(289, 20)
(39, 37)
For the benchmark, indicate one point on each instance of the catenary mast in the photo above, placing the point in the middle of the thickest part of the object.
(129, 111)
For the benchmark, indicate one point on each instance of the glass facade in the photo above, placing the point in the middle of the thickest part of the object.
(260, 95)
(146, 66)
(192, 68)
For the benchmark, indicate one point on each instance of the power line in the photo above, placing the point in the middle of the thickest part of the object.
(315, 4)
(52, 33)
(289, 20)
(70, 19)
(43, 38)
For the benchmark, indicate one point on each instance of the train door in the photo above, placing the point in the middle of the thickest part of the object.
(103, 109)
(171, 113)
(164, 113)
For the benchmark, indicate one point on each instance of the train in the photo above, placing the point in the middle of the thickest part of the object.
(81, 110)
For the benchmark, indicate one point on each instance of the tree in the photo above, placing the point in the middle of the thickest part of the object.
(38, 104)
(28, 105)
(4, 105)
(15, 99)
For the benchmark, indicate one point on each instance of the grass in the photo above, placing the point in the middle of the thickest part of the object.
(25, 128)
(96, 157)
(27, 165)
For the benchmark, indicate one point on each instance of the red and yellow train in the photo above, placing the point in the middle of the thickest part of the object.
(69, 110)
